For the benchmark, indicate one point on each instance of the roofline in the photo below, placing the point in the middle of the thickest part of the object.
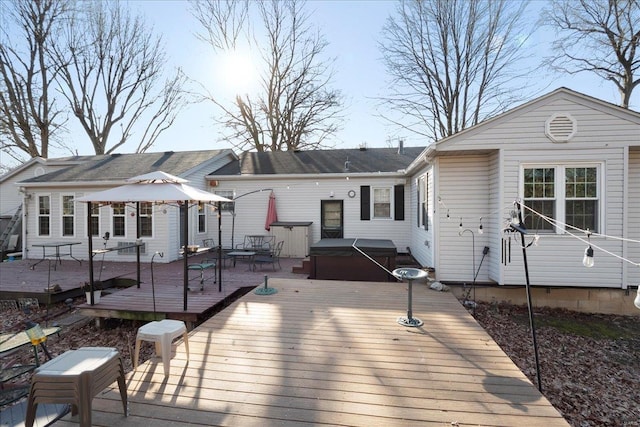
(424, 157)
(69, 184)
(630, 114)
(62, 161)
(224, 152)
(341, 175)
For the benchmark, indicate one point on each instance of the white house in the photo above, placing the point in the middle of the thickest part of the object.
(11, 196)
(342, 193)
(572, 158)
(52, 214)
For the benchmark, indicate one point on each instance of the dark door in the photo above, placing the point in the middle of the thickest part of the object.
(331, 219)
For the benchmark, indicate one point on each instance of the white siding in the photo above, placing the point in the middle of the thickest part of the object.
(633, 248)
(161, 241)
(557, 260)
(299, 200)
(524, 130)
(422, 243)
(463, 191)
(495, 221)
(10, 197)
(518, 138)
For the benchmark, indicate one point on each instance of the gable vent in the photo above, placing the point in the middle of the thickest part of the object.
(560, 127)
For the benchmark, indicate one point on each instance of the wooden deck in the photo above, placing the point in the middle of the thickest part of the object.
(331, 353)
(20, 280)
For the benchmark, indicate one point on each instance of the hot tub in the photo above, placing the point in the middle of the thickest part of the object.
(337, 259)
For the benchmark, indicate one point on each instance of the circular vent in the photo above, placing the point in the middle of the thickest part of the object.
(560, 127)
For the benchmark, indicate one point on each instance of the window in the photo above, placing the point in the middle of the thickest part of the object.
(95, 219)
(382, 203)
(423, 201)
(44, 215)
(568, 194)
(118, 218)
(581, 197)
(68, 215)
(226, 206)
(202, 217)
(146, 219)
(539, 195)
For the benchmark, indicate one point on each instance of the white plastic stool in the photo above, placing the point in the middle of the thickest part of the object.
(162, 333)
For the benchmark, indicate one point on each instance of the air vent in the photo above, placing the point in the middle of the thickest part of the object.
(560, 127)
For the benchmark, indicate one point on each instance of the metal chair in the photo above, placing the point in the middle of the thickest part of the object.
(260, 244)
(272, 258)
(213, 249)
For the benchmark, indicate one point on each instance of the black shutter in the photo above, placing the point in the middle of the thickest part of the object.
(398, 197)
(365, 203)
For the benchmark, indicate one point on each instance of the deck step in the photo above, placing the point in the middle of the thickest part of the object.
(304, 269)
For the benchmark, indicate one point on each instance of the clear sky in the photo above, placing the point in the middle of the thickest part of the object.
(352, 28)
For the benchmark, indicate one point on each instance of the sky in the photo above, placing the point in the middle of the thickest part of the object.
(352, 29)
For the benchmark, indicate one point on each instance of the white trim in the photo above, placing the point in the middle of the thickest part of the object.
(112, 217)
(37, 225)
(62, 215)
(391, 203)
(559, 189)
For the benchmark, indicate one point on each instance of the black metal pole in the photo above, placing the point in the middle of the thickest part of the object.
(410, 302)
(138, 243)
(218, 207)
(528, 287)
(90, 245)
(185, 238)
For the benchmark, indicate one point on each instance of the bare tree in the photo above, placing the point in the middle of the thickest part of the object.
(29, 117)
(451, 62)
(598, 36)
(295, 108)
(111, 71)
(222, 21)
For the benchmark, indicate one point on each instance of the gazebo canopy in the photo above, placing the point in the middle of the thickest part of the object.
(159, 187)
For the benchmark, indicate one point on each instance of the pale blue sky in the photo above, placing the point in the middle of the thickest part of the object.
(352, 29)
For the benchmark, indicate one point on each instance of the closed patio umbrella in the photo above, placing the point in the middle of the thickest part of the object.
(272, 214)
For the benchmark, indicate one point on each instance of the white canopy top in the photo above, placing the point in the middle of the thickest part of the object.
(153, 187)
(155, 178)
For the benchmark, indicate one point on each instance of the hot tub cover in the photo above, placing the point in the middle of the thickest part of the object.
(344, 247)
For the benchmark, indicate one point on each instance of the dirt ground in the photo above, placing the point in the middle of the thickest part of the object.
(589, 363)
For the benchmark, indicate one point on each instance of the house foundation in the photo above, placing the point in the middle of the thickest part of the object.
(603, 300)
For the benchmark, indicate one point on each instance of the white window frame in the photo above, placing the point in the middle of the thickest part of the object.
(63, 215)
(560, 192)
(40, 215)
(229, 194)
(143, 215)
(201, 214)
(373, 203)
(113, 216)
(97, 207)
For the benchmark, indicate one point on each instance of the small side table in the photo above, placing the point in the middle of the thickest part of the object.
(76, 377)
(162, 333)
(243, 254)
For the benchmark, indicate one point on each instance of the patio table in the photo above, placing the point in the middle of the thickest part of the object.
(242, 254)
(56, 254)
(76, 377)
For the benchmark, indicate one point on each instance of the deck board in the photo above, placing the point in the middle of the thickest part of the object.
(331, 353)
